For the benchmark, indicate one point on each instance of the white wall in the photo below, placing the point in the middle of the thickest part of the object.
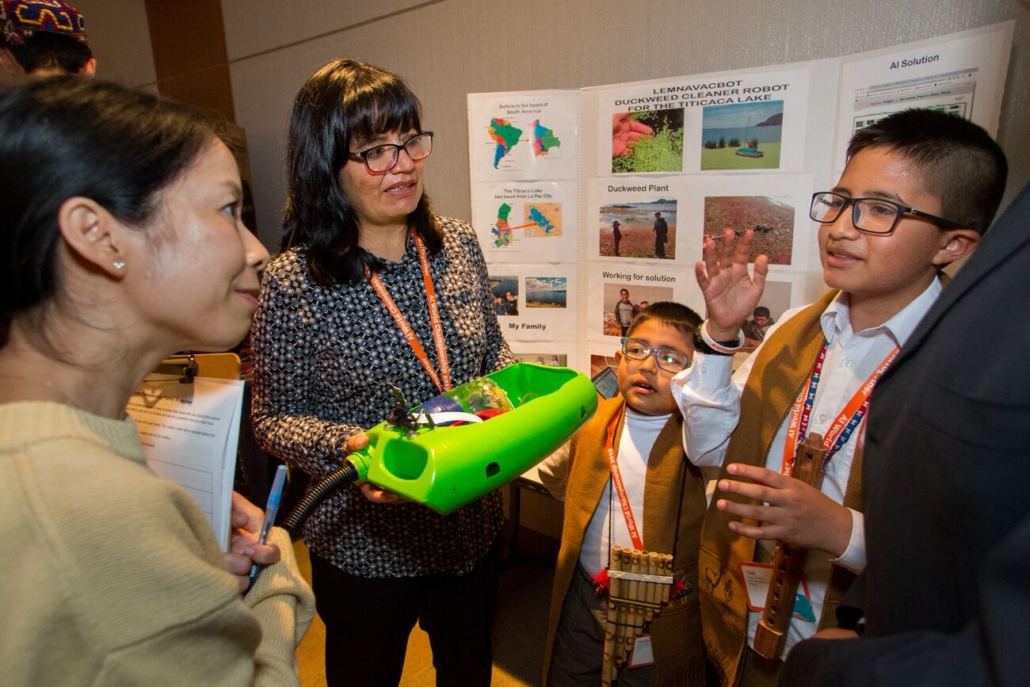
(449, 48)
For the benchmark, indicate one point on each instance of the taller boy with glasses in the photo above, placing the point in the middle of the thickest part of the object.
(883, 238)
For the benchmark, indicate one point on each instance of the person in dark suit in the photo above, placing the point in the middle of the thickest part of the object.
(945, 596)
(661, 235)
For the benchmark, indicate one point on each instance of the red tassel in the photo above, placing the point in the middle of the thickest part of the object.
(678, 589)
(601, 582)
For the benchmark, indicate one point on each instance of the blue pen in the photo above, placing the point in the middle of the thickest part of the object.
(274, 497)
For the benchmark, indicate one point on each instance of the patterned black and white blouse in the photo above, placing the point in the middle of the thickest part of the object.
(323, 362)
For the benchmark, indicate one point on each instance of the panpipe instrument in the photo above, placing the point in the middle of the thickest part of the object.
(771, 634)
(641, 582)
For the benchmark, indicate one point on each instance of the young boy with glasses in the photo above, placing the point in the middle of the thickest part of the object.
(626, 482)
(919, 189)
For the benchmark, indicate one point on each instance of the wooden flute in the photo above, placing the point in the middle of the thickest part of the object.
(771, 634)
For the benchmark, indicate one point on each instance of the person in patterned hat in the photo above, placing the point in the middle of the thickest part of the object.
(43, 38)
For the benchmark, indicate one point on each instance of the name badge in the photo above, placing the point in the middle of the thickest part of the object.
(642, 653)
(756, 577)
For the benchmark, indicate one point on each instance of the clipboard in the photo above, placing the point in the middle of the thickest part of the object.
(188, 414)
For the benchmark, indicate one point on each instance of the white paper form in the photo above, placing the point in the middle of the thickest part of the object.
(527, 136)
(190, 434)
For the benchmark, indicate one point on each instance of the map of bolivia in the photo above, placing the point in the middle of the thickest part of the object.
(502, 229)
(543, 139)
(506, 136)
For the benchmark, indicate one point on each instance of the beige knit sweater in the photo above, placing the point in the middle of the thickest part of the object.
(112, 576)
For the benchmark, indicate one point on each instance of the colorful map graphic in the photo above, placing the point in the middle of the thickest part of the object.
(543, 220)
(505, 136)
(543, 139)
(502, 230)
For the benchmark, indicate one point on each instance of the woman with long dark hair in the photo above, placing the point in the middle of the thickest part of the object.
(121, 243)
(366, 259)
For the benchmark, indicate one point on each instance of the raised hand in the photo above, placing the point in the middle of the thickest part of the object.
(731, 292)
(795, 512)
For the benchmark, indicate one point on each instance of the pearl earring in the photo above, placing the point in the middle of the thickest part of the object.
(118, 264)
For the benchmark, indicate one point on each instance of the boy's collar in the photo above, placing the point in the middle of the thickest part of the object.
(637, 416)
(836, 320)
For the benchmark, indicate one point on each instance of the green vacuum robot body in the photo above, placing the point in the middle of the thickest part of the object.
(447, 467)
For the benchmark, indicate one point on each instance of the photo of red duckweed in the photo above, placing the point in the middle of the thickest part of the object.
(771, 218)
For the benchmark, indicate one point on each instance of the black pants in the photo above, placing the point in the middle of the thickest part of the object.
(368, 621)
(578, 651)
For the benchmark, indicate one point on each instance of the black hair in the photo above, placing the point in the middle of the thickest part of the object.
(65, 137)
(761, 311)
(959, 162)
(670, 313)
(344, 101)
(46, 50)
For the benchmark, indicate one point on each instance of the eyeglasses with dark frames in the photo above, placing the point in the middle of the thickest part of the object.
(667, 359)
(869, 215)
(382, 158)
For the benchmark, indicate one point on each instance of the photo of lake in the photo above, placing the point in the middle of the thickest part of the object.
(636, 235)
(546, 292)
(742, 136)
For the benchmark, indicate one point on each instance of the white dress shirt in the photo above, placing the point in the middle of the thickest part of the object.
(709, 398)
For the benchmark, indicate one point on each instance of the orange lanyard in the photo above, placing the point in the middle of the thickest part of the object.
(845, 423)
(434, 318)
(620, 487)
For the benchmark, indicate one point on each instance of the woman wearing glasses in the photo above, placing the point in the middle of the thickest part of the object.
(371, 291)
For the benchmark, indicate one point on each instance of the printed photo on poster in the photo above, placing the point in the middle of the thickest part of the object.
(774, 206)
(624, 302)
(523, 136)
(543, 357)
(547, 292)
(730, 121)
(506, 294)
(776, 300)
(742, 136)
(647, 141)
(525, 221)
(544, 302)
(962, 74)
(539, 220)
(645, 229)
(771, 218)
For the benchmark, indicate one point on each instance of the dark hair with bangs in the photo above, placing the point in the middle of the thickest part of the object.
(959, 162)
(343, 102)
(672, 314)
(65, 137)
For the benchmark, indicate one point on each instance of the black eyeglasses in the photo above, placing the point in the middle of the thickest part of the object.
(869, 215)
(382, 158)
(667, 359)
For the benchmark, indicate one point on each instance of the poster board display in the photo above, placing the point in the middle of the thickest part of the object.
(664, 163)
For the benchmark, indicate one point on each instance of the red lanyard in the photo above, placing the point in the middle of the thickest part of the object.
(840, 431)
(620, 488)
(434, 318)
